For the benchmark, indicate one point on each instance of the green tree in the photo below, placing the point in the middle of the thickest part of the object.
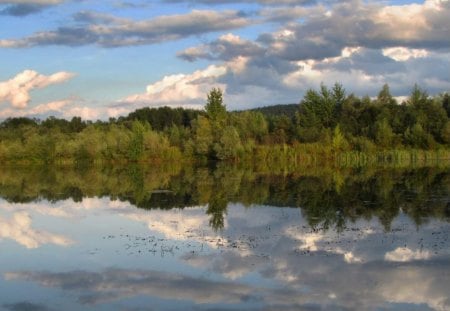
(446, 103)
(250, 125)
(339, 142)
(229, 145)
(384, 135)
(320, 110)
(203, 136)
(445, 133)
(416, 136)
(136, 146)
(215, 108)
(418, 97)
(385, 97)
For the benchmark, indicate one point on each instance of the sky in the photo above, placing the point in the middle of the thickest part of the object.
(103, 59)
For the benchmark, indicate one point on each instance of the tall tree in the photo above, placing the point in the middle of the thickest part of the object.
(215, 108)
(385, 97)
(319, 110)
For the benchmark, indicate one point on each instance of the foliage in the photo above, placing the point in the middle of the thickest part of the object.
(215, 108)
(328, 124)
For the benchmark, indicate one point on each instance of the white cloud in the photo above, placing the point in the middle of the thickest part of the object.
(16, 91)
(87, 113)
(403, 54)
(55, 107)
(187, 90)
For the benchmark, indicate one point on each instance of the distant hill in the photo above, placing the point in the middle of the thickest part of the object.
(278, 110)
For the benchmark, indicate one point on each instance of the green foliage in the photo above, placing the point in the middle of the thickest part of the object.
(321, 108)
(163, 117)
(385, 97)
(384, 135)
(277, 110)
(416, 136)
(215, 108)
(339, 141)
(250, 125)
(445, 99)
(445, 133)
(203, 136)
(328, 125)
(136, 146)
(418, 98)
(229, 146)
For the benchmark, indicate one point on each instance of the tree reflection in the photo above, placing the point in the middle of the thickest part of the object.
(328, 197)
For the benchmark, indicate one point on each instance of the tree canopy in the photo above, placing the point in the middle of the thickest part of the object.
(326, 122)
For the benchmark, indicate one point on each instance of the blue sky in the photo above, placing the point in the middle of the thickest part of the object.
(101, 59)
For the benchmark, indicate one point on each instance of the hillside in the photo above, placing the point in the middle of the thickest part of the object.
(278, 110)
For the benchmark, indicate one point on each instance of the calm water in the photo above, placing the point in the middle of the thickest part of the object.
(197, 239)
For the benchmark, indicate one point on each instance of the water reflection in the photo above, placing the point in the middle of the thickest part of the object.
(225, 239)
(18, 228)
(327, 197)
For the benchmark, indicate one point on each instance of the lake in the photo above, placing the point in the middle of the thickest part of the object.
(164, 238)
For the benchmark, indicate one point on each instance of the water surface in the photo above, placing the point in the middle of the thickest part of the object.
(206, 239)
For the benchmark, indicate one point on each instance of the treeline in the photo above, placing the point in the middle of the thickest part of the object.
(327, 124)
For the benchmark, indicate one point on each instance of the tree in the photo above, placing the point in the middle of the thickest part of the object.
(383, 133)
(215, 107)
(321, 109)
(229, 145)
(339, 141)
(136, 146)
(446, 103)
(385, 97)
(250, 125)
(416, 136)
(418, 98)
(203, 136)
(445, 133)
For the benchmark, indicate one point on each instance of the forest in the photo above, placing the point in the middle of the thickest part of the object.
(327, 124)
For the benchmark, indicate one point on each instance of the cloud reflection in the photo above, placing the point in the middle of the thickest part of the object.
(18, 228)
(114, 284)
(318, 282)
(404, 254)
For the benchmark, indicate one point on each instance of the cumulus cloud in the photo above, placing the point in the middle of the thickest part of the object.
(324, 33)
(187, 90)
(55, 107)
(110, 31)
(361, 44)
(16, 91)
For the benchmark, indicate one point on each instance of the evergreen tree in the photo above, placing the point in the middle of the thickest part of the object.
(385, 97)
(215, 107)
